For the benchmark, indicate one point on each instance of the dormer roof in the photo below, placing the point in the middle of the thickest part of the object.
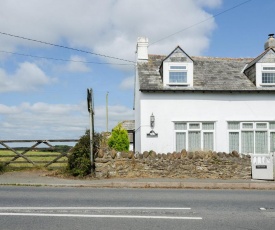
(260, 57)
(178, 55)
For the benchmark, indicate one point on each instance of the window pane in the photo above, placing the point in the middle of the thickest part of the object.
(272, 142)
(268, 77)
(272, 125)
(261, 126)
(131, 137)
(180, 126)
(178, 77)
(208, 141)
(268, 68)
(233, 125)
(208, 126)
(248, 142)
(234, 142)
(194, 126)
(194, 141)
(178, 67)
(247, 125)
(261, 142)
(180, 141)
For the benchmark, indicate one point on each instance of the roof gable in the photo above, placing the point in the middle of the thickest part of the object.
(178, 55)
(268, 56)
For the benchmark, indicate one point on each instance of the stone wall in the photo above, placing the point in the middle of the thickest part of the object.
(176, 165)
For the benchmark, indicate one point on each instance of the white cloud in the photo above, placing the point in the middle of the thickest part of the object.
(4, 109)
(116, 114)
(114, 30)
(108, 27)
(209, 3)
(50, 121)
(27, 77)
(42, 120)
(77, 65)
(127, 83)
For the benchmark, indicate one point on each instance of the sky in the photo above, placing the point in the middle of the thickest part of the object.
(43, 88)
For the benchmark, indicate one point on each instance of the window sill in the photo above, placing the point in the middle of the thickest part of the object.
(267, 85)
(178, 84)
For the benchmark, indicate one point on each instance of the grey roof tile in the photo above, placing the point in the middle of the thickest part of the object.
(210, 74)
(129, 125)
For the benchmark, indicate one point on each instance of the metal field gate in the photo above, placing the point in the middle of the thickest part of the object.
(263, 166)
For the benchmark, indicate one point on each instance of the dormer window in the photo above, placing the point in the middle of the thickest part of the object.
(178, 74)
(268, 75)
(265, 74)
(177, 69)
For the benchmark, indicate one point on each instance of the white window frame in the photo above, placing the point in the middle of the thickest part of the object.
(188, 69)
(200, 129)
(260, 69)
(178, 70)
(255, 129)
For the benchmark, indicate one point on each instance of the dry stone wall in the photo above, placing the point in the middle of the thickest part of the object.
(213, 165)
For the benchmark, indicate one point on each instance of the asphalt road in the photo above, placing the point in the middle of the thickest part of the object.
(49, 208)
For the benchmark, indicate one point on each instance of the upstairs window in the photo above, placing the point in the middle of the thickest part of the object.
(268, 75)
(178, 75)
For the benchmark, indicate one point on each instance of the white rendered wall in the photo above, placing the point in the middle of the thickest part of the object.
(219, 108)
(137, 102)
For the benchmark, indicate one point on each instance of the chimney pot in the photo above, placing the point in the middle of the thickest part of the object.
(270, 43)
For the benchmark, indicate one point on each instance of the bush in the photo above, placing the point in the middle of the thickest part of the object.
(119, 139)
(79, 161)
(2, 168)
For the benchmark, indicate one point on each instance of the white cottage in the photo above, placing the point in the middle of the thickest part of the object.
(205, 103)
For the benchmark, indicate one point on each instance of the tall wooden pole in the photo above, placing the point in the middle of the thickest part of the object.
(107, 118)
(91, 113)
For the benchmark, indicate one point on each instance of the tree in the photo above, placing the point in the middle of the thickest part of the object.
(119, 139)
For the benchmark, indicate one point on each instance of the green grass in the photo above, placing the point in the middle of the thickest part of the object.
(35, 156)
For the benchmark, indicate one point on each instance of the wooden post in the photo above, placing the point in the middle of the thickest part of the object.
(91, 114)
(107, 119)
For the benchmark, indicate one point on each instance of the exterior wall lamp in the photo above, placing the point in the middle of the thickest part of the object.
(152, 125)
(152, 121)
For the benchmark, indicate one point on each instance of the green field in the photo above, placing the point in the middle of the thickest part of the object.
(39, 158)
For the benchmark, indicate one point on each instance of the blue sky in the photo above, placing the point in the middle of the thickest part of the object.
(42, 98)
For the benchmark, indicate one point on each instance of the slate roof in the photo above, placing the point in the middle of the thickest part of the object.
(210, 74)
(254, 61)
(129, 125)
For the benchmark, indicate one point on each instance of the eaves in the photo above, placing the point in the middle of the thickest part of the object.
(207, 91)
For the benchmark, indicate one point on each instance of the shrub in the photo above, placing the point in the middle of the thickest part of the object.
(119, 139)
(2, 168)
(79, 161)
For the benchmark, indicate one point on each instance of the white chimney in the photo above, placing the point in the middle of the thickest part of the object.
(270, 43)
(142, 49)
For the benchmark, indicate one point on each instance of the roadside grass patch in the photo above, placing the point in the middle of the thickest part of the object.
(2, 168)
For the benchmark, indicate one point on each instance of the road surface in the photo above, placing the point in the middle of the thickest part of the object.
(50, 208)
